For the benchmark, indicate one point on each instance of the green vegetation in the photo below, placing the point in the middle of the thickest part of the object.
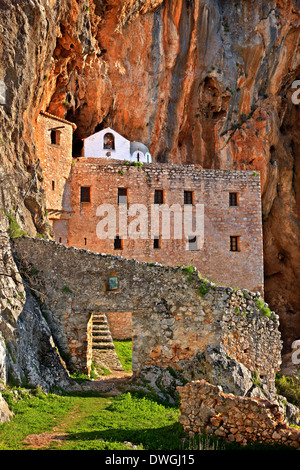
(263, 309)
(188, 269)
(204, 286)
(255, 378)
(289, 387)
(66, 289)
(14, 228)
(124, 353)
(33, 414)
(203, 289)
(93, 422)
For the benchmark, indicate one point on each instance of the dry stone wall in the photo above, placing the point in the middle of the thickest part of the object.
(180, 322)
(206, 408)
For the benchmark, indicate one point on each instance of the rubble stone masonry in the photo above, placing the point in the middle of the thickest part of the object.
(205, 408)
(176, 315)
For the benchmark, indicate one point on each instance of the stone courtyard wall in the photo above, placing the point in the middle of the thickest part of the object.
(181, 323)
(205, 408)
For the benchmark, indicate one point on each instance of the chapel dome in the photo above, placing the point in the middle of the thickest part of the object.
(138, 147)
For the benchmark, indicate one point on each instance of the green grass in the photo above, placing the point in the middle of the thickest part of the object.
(188, 269)
(203, 289)
(14, 228)
(91, 422)
(124, 352)
(263, 309)
(289, 387)
(32, 415)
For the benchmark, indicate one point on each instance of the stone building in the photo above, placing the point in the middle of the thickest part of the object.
(54, 143)
(109, 202)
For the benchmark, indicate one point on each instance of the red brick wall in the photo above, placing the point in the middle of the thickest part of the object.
(211, 187)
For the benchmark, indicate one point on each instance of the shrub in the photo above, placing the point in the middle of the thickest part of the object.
(188, 269)
(66, 289)
(263, 308)
(288, 387)
(14, 229)
(203, 289)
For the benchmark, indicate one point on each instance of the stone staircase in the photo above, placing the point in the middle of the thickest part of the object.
(104, 353)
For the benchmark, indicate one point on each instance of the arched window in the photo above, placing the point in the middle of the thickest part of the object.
(109, 141)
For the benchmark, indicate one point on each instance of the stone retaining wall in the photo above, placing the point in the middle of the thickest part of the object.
(205, 408)
(180, 321)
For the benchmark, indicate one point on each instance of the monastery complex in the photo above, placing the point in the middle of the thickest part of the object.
(210, 219)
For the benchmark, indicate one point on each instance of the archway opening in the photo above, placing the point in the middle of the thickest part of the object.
(110, 343)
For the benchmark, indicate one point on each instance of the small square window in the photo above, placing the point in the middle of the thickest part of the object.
(85, 194)
(188, 197)
(233, 199)
(158, 196)
(234, 243)
(122, 195)
(156, 243)
(118, 243)
(192, 243)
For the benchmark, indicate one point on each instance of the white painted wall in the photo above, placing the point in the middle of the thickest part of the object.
(144, 158)
(93, 146)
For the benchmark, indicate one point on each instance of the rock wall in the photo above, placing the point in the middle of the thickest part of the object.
(244, 420)
(28, 354)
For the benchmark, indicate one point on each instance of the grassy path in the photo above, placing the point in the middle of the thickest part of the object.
(54, 437)
(117, 422)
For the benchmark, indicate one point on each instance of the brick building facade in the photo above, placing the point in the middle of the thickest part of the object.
(54, 143)
(225, 206)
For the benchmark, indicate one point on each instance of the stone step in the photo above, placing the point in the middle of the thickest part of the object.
(102, 340)
(100, 323)
(103, 346)
(96, 334)
(100, 318)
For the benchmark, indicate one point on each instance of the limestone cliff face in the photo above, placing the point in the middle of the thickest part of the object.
(205, 81)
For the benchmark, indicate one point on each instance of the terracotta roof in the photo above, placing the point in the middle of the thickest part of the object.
(44, 113)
